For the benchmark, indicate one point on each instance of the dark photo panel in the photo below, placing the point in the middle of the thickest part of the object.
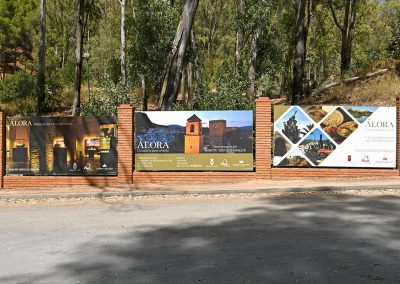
(73, 146)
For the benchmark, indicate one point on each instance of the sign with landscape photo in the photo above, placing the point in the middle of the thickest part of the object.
(194, 141)
(73, 146)
(334, 136)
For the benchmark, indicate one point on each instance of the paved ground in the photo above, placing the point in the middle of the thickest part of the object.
(350, 236)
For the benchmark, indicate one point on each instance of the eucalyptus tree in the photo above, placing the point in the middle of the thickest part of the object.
(151, 28)
(123, 42)
(172, 79)
(346, 28)
(84, 10)
(304, 11)
(41, 76)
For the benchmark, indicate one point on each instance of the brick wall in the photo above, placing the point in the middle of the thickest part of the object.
(398, 131)
(127, 175)
(125, 143)
(263, 137)
(2, 147)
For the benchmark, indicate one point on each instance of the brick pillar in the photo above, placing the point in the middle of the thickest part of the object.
(2, 147)
(398, 133)
(125, 143)
(263, 138)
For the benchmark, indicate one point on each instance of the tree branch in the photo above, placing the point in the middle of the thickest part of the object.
(353, 14)
(334, 16)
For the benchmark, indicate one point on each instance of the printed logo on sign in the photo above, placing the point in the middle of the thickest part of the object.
(20, 123)
(365, 159)
(380, 124)
(153, 145)
(224, 163)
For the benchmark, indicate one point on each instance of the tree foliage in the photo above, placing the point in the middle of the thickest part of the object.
(234, 46)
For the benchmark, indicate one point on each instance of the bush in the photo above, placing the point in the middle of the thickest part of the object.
(106, 99)
(19, 86)
(54, 89)
(229, 93)
(27, 107)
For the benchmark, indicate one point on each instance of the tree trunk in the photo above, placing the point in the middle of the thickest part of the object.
(183, 86)
(42, 58)
(15, 60)
(78, 55)
(345, 54)
(4, 65)
(123, 43)
(239, 40)
(298, 68)
(144, 92)
(252, 63)
(190, 83)
(170, 88)
(346, 31)
(285, 73)
(195, 65)
(65, 47)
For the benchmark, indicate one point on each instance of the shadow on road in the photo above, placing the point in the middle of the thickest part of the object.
(295, 239)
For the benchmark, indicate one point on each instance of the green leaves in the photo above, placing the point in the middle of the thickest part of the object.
(19, 86)
(106, 99)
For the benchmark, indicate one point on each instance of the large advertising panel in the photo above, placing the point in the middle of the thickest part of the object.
(194, 141)
(76, 146)
(334, 136)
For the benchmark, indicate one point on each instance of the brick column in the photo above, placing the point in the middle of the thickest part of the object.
(263, 138)
(2, 147)
(398, 133)
(125, 143)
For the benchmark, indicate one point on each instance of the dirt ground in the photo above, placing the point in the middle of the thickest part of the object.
(339, 236)
(176, 191)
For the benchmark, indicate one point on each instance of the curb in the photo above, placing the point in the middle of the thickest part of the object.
(326, 189)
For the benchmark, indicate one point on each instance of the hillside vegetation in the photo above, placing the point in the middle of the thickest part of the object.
(87, 56)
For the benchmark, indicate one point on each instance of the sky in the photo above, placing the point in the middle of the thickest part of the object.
(238, 118)
(302, 119)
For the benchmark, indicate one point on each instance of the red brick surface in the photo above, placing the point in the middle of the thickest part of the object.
(263, 137)
(398, 131)
(2, 147)
(125, 143)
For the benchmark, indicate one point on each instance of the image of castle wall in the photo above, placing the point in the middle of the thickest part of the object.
(217, 132)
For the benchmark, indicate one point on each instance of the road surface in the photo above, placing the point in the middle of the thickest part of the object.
(255, 238)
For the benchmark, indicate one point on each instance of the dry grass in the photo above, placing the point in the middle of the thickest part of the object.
(379, 91)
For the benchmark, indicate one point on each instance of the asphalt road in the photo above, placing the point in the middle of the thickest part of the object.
(299, 238)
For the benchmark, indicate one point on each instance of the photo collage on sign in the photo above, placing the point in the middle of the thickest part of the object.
(306, 136)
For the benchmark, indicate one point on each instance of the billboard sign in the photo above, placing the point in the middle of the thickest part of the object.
(72, 146)
(194, 141)
(334, 136)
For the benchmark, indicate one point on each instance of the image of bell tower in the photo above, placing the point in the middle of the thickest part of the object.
(193, 135)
